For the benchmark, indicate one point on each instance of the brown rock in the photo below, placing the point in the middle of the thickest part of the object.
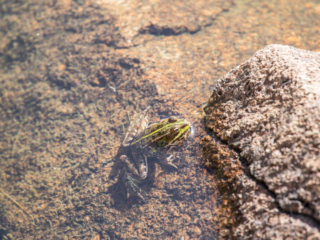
(268, 110)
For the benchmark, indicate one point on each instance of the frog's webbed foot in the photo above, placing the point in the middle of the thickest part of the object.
(126, 180)
(126, 191)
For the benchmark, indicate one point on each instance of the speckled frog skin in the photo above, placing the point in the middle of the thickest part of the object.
(141, 143)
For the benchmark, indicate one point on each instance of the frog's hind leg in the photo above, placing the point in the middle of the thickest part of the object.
(133, 189)
(126, 191)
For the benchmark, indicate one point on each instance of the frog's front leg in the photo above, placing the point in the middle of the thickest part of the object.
(167, 161)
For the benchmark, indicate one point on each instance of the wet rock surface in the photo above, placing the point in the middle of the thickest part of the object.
(267, 110)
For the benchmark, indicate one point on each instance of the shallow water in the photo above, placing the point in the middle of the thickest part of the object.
(72, 76)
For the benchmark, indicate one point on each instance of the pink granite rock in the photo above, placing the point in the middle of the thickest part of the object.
(268, 110)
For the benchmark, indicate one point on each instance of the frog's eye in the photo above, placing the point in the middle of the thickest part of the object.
(172, 119)
(173, 132)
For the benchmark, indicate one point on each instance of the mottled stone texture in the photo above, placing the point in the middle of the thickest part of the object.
(268, 110)
(139, 21)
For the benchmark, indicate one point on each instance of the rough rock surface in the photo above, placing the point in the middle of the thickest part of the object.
(249, 210)
(268, 110)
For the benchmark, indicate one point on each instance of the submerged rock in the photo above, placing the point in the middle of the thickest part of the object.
(268, 111)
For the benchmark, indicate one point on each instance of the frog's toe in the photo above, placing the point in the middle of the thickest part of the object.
(168, 162)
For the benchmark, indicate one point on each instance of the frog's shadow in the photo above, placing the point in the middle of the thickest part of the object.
(119, 192)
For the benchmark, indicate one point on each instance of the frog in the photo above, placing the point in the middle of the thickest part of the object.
(142, 143)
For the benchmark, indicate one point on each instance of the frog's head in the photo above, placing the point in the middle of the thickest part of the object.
(177, 130)
(166, 132)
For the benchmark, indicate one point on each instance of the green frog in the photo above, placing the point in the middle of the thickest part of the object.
(143, 143)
